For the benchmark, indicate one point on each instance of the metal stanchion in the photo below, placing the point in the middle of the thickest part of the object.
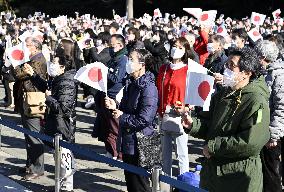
(57, 161)
(156, 171)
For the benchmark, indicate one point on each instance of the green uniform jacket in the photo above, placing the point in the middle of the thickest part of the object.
(235, 128)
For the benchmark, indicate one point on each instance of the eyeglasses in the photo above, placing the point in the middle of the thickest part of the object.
(231, 64)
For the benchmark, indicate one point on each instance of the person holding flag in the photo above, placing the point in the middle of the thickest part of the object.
(171, 83)
(106, 126)
(235, 128)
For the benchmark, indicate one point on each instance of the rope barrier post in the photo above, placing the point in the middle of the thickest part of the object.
(156, 171)
(57, 161)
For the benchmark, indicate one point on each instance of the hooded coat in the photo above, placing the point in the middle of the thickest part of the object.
(236, 129)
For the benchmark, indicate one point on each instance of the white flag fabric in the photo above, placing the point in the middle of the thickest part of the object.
(206, 104)
(37, 34)
(25, 35)
(198, 88)
(18, 54)
(257, 18)
(196, 12)
(60, 22)
(94, 75)
(119, 96)
(279, 21)
(196, 67)
(254, 34)
(276, 14)
(207, 18)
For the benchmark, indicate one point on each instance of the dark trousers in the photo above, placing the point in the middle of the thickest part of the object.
(6, 87)
(8, 92)
(135, 183)
(34, 146)
(107, 128)
(271, 169)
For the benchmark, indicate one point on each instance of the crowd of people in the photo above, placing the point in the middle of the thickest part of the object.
(148, 59)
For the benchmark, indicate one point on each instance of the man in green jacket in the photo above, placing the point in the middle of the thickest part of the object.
(235, 129)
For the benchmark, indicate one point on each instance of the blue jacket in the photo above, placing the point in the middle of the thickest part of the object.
(139, 105)
(117, 72)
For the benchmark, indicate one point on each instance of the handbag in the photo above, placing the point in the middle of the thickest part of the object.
(149, 149)
(34, 104)
(171, 121)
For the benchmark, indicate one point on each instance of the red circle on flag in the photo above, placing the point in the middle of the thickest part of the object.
(204, 89)
(255, 33)
(17, 55)
(95, 74)
(204, 17)
(256, 18)
(220, 30)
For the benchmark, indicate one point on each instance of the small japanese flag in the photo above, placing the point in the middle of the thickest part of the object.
(221, 30)
(196, 12)
(157, 13)
(254, 34)
(276, 14)
(94, 75)
(257, 18)
(25, 35)
(198, 88)
(18, 54)
(207, 18)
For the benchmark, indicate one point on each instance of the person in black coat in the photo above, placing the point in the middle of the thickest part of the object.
(217, 58)
(133, 41)
(61, 101)
(101, 51)
(155, 45)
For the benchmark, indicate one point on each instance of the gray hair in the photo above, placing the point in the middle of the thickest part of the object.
(35, 42)
(267, 49)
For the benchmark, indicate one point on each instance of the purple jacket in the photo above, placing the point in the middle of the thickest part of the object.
(139, 105)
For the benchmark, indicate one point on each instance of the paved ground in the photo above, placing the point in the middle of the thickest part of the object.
(91, 176)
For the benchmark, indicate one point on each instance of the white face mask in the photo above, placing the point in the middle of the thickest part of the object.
(131, 68)
(142, 33)
(234, 44)
(156, 38)
(177, 53)
(131, 37)
(229, 78)
(210, 48)
(170, 37)
(54, 70)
